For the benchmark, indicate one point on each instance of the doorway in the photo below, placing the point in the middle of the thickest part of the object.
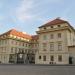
(70, 60)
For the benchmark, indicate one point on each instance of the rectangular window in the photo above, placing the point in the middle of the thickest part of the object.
(44, 45)
(39, 57)
(52, 58)
(51, 36)
(59, 25)
(59, 58)
(51, 26)
(59, 35)
(44, 37)
(51, 46)
(44, 58)
(59, 46)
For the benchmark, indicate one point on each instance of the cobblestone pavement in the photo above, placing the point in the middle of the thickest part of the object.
(36, 70)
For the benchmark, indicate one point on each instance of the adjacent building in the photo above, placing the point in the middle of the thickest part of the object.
(15, 47)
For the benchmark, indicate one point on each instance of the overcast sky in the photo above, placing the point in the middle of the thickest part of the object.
(27, 15)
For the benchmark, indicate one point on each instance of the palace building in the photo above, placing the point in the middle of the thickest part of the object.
(56, 43)
(53, 44)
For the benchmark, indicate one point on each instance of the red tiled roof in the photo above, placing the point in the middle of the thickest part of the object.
(54, 22)
(35, 37)
(17, 33)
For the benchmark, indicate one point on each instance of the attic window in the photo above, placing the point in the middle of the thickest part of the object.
(58, 25)
(51, 26)
(44, 27)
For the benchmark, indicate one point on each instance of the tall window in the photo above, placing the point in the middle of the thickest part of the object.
(51, 36)
(59, 35)
(39, 57)
(52, 58)
(44, 58)
(44, 37)
(60, 58)
(59, 46)
(51, 46)
(44, 46)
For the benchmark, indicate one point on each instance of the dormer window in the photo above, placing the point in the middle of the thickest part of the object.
(58, 25)
(51, 26)
(44, 27)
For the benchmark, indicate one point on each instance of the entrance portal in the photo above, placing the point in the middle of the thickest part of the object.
(20, 58)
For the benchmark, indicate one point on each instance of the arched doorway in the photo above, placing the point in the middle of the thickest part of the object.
(20, 57)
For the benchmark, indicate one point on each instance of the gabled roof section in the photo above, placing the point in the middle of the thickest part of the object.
(54, 22)
(17, 33)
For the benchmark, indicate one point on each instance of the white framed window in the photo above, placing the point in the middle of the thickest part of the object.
(51, 36)
(45, 37)
(59, 46)
(51, 46)
(59, 35)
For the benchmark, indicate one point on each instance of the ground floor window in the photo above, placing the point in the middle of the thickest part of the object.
(52, 58)
(39, 57)
(44, 58)
(60, 58)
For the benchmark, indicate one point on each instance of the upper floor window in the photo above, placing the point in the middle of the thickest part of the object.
(51, 36)
(51, 26)
(44, 45)
(59, 35)
(59, 46)
(44, 27)
(59, 25)
(44, 37)
(51, 46)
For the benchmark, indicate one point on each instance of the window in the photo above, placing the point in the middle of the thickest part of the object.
(58, 25)
(59, 58)
(51, 46)
(44, 46)
(44, 27)
(59, 46)
(51, 36)
(51, 26)
(12, 50)
(39, 57)
(59, 35)
(52, 58)
(44, 37)
(44, 58)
